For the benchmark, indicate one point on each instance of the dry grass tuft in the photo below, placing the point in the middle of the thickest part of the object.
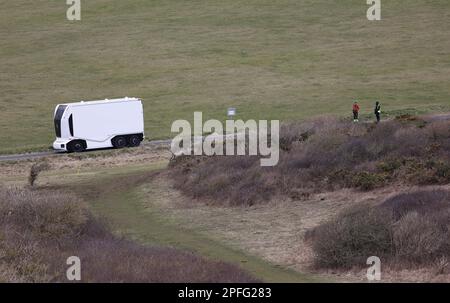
(35, 170)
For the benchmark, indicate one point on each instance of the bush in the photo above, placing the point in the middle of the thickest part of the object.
(40, 229)
(35, 170)
(46, 214)
(389, 165)
(292, 133)
(408, 229)
(443, 171)
(367, 181)
(322, 154)
(418, 238)
(353, 237)
(424, 202)
(116, 260)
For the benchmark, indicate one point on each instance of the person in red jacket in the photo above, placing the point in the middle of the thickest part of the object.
(355, 112)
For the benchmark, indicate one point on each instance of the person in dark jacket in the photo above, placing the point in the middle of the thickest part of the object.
(355, 111)
(377, 111)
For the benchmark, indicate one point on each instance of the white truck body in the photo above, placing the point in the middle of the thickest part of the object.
(97, 124)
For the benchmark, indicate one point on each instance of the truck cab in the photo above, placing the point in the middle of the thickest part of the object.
(62, 128)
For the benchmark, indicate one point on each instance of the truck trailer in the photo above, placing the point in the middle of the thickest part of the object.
(105, 123)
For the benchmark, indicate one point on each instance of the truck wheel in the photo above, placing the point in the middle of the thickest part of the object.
(119, 142)
(134, 141)
(75, 146)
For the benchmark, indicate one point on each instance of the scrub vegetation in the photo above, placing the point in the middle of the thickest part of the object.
(340, 193)
(406, 230)
(35, 170)
(142, 205)
(324, 154)
(40, 229)
(323, 157)
(286, 60)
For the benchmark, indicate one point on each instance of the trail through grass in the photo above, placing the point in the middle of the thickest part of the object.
(118, 198)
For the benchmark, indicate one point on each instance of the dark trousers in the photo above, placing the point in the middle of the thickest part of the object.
(378, 117)
(355, 115)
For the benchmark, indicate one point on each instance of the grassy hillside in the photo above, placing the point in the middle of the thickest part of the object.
(284, 59)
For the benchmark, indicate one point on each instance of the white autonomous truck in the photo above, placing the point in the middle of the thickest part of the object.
(98, 124)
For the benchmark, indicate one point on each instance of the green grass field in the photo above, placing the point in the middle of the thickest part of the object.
(286, 59)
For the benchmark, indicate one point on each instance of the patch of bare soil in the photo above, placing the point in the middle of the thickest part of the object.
(275, 231)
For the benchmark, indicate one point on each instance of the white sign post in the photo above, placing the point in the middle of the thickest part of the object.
(231, 112)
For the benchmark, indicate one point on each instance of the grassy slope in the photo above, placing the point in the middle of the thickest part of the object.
(284, 59)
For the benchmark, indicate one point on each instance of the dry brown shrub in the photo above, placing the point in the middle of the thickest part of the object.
(322, 154)
(35, 170)
(406, 230)
(40, 229)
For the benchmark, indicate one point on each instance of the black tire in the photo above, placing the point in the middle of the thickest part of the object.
(119, 142)
(134, 140)
(76, 146)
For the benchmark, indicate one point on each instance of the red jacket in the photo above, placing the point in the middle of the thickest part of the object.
(355, 107)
